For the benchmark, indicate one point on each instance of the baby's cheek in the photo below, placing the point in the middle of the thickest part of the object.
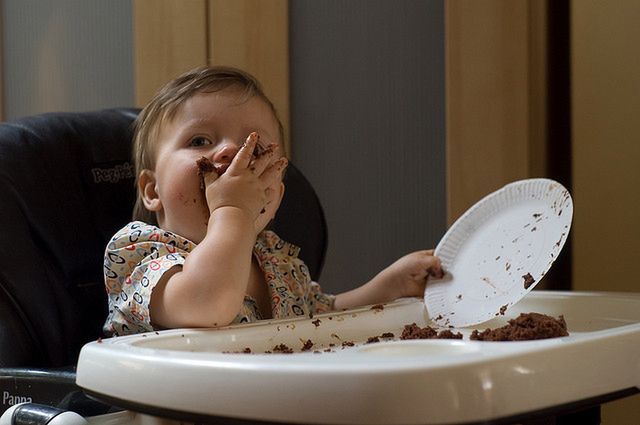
(186, 200)
(186, 197)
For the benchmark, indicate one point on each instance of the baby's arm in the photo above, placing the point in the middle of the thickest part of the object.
(407, 277)
(209, 288)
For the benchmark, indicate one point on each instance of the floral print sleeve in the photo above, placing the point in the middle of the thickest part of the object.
(320, 302)
(135, 260)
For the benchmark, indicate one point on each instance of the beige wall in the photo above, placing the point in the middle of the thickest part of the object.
(606, 155)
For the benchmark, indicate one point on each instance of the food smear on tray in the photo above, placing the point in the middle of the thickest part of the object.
(525, 327)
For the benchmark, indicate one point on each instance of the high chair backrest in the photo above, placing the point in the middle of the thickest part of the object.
(66, 185)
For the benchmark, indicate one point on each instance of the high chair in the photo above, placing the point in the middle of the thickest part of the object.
(66, 185)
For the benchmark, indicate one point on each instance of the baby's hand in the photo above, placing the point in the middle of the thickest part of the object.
(407, 277)
(248, 182)
(410, 273)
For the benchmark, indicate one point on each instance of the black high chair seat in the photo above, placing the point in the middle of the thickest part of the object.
(66, 186)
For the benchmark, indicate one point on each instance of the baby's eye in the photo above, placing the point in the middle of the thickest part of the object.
(199, 141)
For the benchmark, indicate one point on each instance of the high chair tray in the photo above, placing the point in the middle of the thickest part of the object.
(206, 373)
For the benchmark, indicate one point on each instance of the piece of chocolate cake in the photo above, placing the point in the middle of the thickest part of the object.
(414, 331)
(527, 326)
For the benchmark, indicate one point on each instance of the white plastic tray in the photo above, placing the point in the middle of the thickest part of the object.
(395, 382)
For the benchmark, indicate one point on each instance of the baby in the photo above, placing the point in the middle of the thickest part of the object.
(197, 253)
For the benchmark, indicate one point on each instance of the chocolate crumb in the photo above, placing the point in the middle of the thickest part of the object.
(384, 335)
(414, 331)
(528, 280)
(247, 350)
(377, 307)
(307, 345)
(447, 334)
(503, 309)
(282, 348)
(347, 343)
(316, 322)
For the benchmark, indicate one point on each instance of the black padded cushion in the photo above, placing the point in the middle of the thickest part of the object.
(66, 186)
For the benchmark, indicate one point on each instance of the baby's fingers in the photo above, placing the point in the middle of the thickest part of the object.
(264, 159)
(245, 155)
(433, 265)
(273, 173)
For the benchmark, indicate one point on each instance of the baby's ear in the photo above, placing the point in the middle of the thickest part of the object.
(148, 192)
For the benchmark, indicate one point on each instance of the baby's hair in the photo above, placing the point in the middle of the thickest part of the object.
(166, 103)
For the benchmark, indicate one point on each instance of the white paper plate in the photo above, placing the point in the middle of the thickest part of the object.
(498, 250)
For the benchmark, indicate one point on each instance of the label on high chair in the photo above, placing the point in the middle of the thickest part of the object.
(33, 389)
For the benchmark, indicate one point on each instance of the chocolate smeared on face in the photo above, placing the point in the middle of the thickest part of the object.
(261, 150)
(205, 166)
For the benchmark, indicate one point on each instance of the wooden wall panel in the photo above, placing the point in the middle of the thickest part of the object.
(606, 154)
(254, 35)
(496, 98)
(606, 148)
(170, 37)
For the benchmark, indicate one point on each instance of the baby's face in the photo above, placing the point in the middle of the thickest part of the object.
(211, 125)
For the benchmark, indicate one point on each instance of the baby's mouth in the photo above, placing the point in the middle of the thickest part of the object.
(205, 166)
(220, 169)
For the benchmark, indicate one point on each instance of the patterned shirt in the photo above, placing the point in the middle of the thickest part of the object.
(139, 254)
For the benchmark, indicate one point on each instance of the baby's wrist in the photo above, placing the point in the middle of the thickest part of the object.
(229, 212)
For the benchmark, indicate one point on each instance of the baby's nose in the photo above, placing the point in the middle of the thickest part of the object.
(226, 153)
